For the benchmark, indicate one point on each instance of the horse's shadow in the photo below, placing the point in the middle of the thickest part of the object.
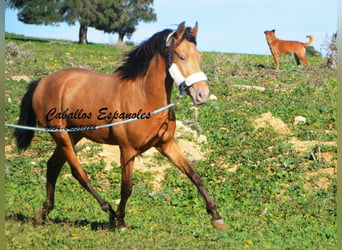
(94, 225)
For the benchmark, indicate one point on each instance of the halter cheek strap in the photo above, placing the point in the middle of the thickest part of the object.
(169, 39)
(176, 74)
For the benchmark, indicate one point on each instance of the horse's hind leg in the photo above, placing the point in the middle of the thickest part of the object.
(173, 152)
(54, 166)
(66, 146)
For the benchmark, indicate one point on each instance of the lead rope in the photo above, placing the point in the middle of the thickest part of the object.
(50, 130)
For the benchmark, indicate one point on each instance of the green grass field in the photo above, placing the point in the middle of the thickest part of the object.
(274, 185)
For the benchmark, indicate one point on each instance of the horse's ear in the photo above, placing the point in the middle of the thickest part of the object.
(194, 30)
(180, 30)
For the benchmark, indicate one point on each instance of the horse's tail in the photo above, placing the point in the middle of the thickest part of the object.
(27, 118)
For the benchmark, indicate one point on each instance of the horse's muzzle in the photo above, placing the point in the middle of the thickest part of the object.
(199, 92)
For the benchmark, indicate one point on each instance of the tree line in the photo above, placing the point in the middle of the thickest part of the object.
(110, 16)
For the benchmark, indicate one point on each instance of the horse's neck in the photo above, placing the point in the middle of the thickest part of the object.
(157, 83)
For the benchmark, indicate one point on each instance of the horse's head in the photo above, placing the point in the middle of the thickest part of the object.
(184, 63)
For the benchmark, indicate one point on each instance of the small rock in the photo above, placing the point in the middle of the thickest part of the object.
(212, 97)
(18, 78)
(299, 119)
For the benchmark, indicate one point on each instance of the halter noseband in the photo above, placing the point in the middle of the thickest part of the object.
(181, 81)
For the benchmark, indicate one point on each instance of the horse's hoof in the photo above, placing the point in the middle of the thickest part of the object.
(219, 225)
(40, 216)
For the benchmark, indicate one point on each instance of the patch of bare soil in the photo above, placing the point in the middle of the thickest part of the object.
(268, 120)
(188, 139)
(21, 77)
(321, 178)
(301, 146)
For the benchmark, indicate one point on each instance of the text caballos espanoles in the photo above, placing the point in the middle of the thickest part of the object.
(102, 114)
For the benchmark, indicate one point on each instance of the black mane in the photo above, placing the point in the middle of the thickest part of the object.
(138, 60)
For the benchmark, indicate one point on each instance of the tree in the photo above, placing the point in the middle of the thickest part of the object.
(37, 11)
(82, 11)
(111, 16)
(132, 12)
(310, 51)
(54, 11)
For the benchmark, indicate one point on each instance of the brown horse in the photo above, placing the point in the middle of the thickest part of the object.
(76, 98)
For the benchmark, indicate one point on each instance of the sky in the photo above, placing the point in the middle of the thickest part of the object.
(232, 26)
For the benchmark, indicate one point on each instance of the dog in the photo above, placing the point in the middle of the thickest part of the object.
(280, 47)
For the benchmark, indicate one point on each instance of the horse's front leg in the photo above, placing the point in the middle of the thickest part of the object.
(174, 153)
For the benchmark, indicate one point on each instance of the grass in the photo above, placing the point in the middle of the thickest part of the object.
(270, 195)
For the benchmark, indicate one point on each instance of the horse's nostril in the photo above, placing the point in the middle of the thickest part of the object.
(199, 97)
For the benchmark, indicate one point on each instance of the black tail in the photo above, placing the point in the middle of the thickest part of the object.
(27, 118)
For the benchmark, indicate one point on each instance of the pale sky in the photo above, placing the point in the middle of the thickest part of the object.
(233, 26)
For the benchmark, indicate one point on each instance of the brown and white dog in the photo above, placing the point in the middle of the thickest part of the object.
(280, 47)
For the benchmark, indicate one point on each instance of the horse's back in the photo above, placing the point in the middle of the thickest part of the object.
(72, 89)
(74, 78)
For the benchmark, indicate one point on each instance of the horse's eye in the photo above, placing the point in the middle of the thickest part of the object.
(182, 58)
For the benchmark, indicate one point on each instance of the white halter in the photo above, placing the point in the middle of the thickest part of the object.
(188, 81)
(178, 77)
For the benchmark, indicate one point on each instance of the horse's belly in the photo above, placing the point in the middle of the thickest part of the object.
(100, 136)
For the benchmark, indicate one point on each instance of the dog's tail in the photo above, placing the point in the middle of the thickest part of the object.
(310, 42)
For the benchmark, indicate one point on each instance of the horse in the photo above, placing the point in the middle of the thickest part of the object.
(75, 98)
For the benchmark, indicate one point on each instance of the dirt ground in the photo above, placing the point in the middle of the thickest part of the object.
(147, 162)
(320, 178)
(190, 142)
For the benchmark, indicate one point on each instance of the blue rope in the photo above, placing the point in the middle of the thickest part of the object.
(85, 128)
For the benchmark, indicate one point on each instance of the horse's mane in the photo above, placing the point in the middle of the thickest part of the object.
(138, 60)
